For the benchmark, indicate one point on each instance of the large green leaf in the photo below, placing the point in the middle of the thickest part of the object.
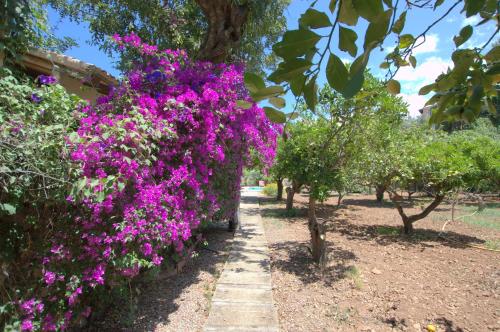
(356, 77)
(314, 19)
(271, 91)
(274, 115)
(347, 41)
(377, 30)
(243, 104)
(472, 7)
(348, 13)
(369, 9)
(394, 87)
(297, 85)
(426, 89)
(463, 36)
(405, 40)
(400, 23)
(336, 73)
(296, 43)
(277, 102)
(289, 69)
(253, 82)
(493, 54)
(332, 5)
(311, 93)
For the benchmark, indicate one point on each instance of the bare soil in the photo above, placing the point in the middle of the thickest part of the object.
(175, 303)
(378, 279)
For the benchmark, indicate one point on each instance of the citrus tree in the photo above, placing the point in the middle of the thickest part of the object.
(310, 51)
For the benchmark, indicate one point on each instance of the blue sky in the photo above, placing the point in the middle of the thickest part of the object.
(433, 57)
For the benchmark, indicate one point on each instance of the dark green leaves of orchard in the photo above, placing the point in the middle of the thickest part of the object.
(296, 43)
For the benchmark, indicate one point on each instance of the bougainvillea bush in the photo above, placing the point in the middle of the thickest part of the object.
(157, 157)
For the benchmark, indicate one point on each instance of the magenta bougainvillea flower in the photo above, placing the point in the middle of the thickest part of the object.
(157, 157)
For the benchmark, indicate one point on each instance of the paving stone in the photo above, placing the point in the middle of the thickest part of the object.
(243, 299)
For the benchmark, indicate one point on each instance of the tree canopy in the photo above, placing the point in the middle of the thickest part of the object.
(184, 24)
(461, 93)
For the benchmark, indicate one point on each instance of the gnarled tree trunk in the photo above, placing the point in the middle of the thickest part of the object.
(318, 234)
(379, 192)
(279, 193)
(409, 220)
(225, 27)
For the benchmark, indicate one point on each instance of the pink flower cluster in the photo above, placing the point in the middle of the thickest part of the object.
(162, 153)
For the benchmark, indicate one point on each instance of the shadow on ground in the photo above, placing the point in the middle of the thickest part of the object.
(157, 299)
(294, 257)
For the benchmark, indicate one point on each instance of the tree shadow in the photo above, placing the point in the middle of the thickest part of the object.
(448, 325)
(388, 235)
(294, 257)
(266, 211)
(158, 294)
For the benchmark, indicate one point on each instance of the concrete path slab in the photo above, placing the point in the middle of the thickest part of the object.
(243, 298)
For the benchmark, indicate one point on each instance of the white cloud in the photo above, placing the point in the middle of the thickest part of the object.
(425, 73)
(473, 20)
(429, 45)
(415, 102)
(412, 79)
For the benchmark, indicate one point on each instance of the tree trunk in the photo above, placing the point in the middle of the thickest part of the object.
(339, 200)
(290, 192)
(379, 192)
(318, 234)
(409, 220)
(279, 193)
(225, 27)
(289, 198)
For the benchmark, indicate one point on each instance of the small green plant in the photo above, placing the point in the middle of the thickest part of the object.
(270, 189)
(492, 244)
(387, 230)
(353, 273)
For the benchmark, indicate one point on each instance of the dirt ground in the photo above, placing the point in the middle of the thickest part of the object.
(377, 279)
(176, 303)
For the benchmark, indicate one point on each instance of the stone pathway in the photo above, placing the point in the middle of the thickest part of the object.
(243, 298)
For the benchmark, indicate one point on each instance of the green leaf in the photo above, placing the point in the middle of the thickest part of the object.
(348, 13)
(393, 87)
(314, 19)
(400, 23)
(347, 41)
(384, 65)
(494, 69)
(426, 89)
(413, 61)
(277, 102)
(332, 5)
(274, 115)
(472, 7)
(297, 85)
(355, 82)
(438, 3)
(271, 91)
(311, 93)
(8, 209)
(368, 9)
(405, 40)
(253, 82)
(336, 73)
(463, 35)
(377, 30)
(289, 69)
(244, 104)
(296, 43)
(493, 54)
(292, 116)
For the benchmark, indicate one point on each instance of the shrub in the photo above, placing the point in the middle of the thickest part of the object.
(35, 179)
(270, 189)
(158, 156)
